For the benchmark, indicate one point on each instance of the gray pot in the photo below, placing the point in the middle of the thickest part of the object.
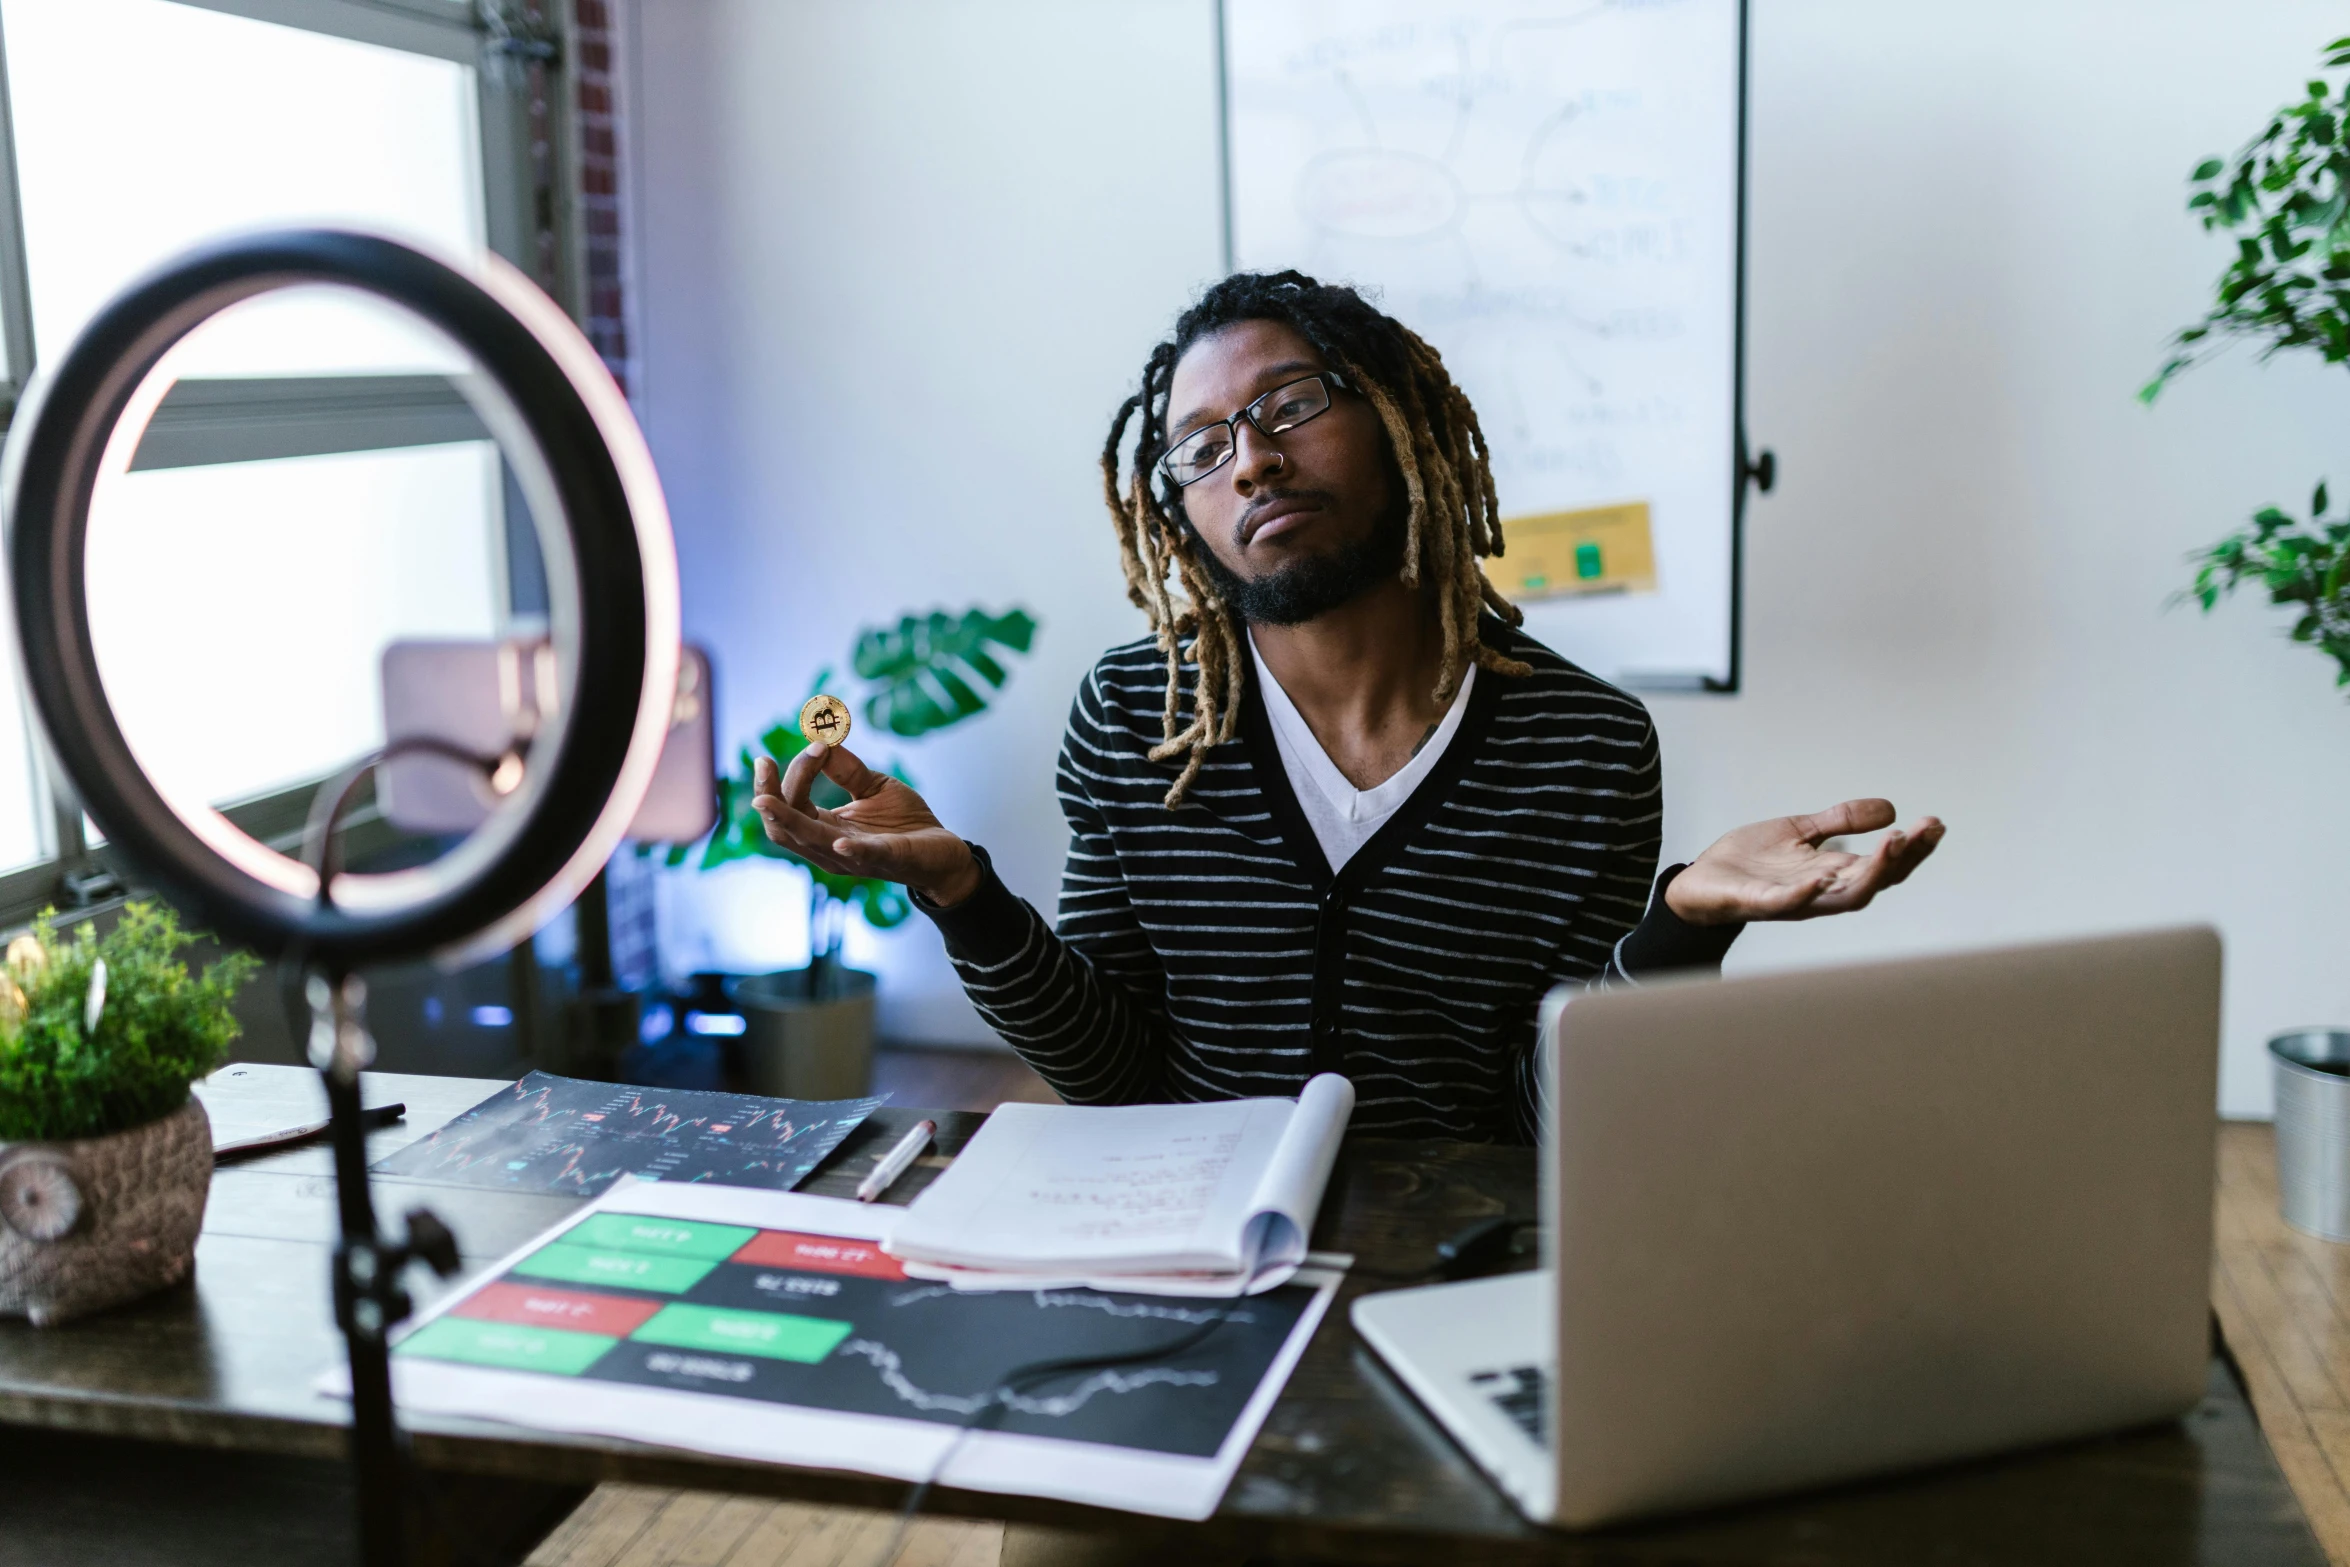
(798, 1046)
(92, 1223)
(2313, 1129)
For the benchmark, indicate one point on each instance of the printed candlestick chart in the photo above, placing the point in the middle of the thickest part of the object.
(560, 1134)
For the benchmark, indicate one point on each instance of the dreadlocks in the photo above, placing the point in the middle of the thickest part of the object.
(1436, 445)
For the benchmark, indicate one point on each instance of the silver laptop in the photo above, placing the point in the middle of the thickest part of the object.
(1806, 1227)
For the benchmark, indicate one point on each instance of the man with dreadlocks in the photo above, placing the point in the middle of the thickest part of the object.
(1336, 813)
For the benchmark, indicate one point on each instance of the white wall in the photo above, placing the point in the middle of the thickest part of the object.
(1967, 246)
(900, 260)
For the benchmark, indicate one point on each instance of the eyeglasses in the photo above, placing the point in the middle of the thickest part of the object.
(1204, 450)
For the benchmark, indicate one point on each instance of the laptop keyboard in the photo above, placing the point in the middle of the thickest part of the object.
(1522, 1393)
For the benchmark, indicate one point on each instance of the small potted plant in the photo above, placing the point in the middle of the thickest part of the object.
(808, 1033)
(105, 1156)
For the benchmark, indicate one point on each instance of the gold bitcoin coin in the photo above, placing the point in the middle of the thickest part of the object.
(825, 720)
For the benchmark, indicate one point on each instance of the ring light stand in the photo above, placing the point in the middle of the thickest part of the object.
(580, 460)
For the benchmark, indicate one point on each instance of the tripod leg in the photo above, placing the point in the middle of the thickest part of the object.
(368, 1297)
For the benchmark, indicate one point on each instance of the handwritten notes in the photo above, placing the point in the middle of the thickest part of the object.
(1209, 1192)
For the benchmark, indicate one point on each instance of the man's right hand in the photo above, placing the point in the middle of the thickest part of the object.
(885, 830)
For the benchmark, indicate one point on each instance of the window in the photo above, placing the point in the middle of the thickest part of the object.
(314, 436)
(200, 579)
(145, 126)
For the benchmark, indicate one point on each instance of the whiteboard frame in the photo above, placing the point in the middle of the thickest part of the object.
(1743, 472)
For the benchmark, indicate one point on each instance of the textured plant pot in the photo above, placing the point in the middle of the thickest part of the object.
(798, 1046)
(89, 1224)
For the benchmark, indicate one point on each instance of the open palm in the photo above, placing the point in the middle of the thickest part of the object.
(1778, 870)
(885, 830)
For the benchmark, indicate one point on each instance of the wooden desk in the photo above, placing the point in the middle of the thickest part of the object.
(2283, 1302)
(1347, 1468)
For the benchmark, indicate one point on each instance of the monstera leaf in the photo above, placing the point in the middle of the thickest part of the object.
(931, 671)
(937, 669)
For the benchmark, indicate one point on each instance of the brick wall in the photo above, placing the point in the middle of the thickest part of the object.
(597, 116)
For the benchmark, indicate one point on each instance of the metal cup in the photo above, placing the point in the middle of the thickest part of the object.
(2313, 1129)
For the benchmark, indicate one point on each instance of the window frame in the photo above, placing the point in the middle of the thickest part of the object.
(527, 215)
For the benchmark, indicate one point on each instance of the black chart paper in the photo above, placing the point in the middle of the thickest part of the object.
(562, 1134)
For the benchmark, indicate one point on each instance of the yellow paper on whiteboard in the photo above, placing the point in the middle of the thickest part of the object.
(1561, 554)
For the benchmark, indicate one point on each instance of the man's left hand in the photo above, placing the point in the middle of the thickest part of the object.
(1777, 870)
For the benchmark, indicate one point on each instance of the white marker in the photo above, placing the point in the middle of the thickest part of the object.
(897, 1161)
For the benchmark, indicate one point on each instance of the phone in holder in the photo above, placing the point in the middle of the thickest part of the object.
(490, 698)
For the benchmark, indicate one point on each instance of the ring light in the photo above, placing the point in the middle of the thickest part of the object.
(612, 568)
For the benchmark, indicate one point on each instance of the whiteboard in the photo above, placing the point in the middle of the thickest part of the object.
(1550, 194)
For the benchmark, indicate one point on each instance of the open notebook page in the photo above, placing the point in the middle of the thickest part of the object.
(1223, 1188)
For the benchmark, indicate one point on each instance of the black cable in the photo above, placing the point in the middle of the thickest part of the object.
(1425, 1275)
(1480, 1249)
(985, 1417)
(333, 800)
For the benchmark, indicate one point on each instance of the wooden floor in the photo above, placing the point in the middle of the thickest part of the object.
(639, 1526)
(2283, 1300)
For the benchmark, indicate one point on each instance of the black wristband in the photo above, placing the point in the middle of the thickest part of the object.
(979, 857)
(986, 927)
(1663, 941)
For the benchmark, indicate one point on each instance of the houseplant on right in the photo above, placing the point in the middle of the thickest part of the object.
(2286, 199)
(810, 1031)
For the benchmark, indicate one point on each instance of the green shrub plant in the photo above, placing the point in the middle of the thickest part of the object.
(158, 1027)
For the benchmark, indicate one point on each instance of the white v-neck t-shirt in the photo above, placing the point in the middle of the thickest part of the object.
(1342, 816)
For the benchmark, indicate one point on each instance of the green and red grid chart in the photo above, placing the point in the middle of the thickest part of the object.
(830, 1324)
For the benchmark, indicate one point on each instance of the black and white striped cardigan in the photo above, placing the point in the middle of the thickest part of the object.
(1208, 952)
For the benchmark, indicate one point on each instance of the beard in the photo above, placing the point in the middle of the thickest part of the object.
(1306, 589)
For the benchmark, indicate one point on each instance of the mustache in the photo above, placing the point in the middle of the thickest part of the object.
(1252, 518)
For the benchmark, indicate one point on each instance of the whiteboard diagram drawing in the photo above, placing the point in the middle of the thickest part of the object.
(1548, 191)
